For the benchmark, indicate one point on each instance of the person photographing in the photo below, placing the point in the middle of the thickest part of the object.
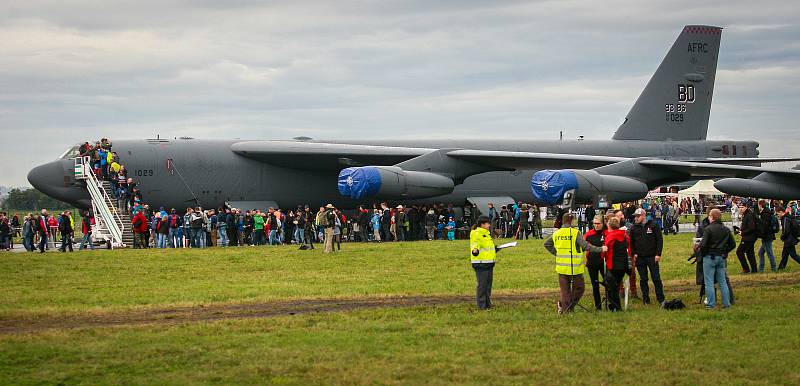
(617, 258)
(594, 260)
(483, 253)
(715, 245)
(567, 245)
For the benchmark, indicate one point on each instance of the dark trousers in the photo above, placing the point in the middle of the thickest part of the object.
(614, 278)
(788, 251)
(66, 242)
(309, 237)
(595, 273)
(139, 240)
(643, 264)
(483, 291)
(233, 238)
(747, 249)
(42, 242)
(570, 296)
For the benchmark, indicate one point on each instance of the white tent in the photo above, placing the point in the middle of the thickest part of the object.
(704, 187)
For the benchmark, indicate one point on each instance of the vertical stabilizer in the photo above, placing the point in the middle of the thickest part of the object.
(676, 103)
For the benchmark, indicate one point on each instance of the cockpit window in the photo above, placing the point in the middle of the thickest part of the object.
(72, 152)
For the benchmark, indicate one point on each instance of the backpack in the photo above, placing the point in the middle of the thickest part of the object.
(674, 304)
(759, 226)
(323, 220)
(794, 223)
(774, 225)
(137, 222)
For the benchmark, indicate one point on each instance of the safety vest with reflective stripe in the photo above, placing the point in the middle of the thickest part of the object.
(481, 239)
(569, 257)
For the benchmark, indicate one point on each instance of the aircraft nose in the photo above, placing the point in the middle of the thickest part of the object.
(54, 180)
(47, 178)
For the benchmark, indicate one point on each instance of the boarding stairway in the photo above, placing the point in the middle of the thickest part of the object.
(110, 224)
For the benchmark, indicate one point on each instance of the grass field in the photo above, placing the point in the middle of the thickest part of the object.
(112, 317)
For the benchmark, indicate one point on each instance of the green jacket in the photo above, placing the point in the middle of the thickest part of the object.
(258, 223)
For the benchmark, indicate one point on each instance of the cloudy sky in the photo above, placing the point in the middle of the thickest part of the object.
(78, 70)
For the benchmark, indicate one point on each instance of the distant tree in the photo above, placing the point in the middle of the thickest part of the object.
(31, 199)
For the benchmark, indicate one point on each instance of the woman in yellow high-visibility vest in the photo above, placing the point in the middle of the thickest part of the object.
(482, 253)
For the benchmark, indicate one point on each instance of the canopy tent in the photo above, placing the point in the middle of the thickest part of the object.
(702, 187)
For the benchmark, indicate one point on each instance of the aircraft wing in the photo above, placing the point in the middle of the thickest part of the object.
(503, 160)
(335, 156)
(715, 170)
(323, 156)
(745, 161)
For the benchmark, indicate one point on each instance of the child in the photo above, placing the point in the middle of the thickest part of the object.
(451, 229)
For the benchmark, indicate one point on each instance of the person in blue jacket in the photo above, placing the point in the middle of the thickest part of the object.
(451, 229)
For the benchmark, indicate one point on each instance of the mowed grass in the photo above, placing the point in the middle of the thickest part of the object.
(104, 281)
(515, 343)
(756, 342)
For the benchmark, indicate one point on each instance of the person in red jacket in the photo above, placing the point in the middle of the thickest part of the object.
(617, 259)
(140, 229)
(86, 229)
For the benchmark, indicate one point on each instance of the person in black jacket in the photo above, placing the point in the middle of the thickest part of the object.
(789, 232)
(65, 228)
(749, 232)
(232, 227)
(594, 260)
(715, 245)
(699, 274)
(767, 233)
(647, 244)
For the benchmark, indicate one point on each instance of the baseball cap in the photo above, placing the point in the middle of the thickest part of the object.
(640, 211)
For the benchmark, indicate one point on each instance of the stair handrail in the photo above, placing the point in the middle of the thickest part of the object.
(109, 217)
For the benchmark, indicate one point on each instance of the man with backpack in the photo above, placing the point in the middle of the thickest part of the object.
(65, 227)
(749, 232)
(328, 220)
(86, 229)
(140, 228)
(790, 235)
(769, 226)
(175, 223)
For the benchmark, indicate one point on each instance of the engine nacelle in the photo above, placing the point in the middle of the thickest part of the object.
(762, 186)
(392, 182)
(550, 186)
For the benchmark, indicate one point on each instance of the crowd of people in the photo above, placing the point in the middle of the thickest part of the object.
(38, 232)
(199, 228)
(107, 166)
(629, 240)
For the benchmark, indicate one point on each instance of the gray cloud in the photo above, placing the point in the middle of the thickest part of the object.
(75, 70)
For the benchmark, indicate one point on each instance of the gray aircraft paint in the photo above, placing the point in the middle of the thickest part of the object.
(305, 172)
(690, 66)
(215, 174)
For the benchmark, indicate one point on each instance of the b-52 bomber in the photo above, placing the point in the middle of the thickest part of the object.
(661, 141)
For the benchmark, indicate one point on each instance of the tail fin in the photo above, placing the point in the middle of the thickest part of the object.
(676, 102)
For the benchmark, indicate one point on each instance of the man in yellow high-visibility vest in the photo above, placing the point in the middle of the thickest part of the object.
(567, 245)
(483, 254)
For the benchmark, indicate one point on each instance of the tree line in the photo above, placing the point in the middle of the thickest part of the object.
(30, 199)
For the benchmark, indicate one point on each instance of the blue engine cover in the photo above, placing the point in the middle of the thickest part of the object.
(359, 182)
(548, 186)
